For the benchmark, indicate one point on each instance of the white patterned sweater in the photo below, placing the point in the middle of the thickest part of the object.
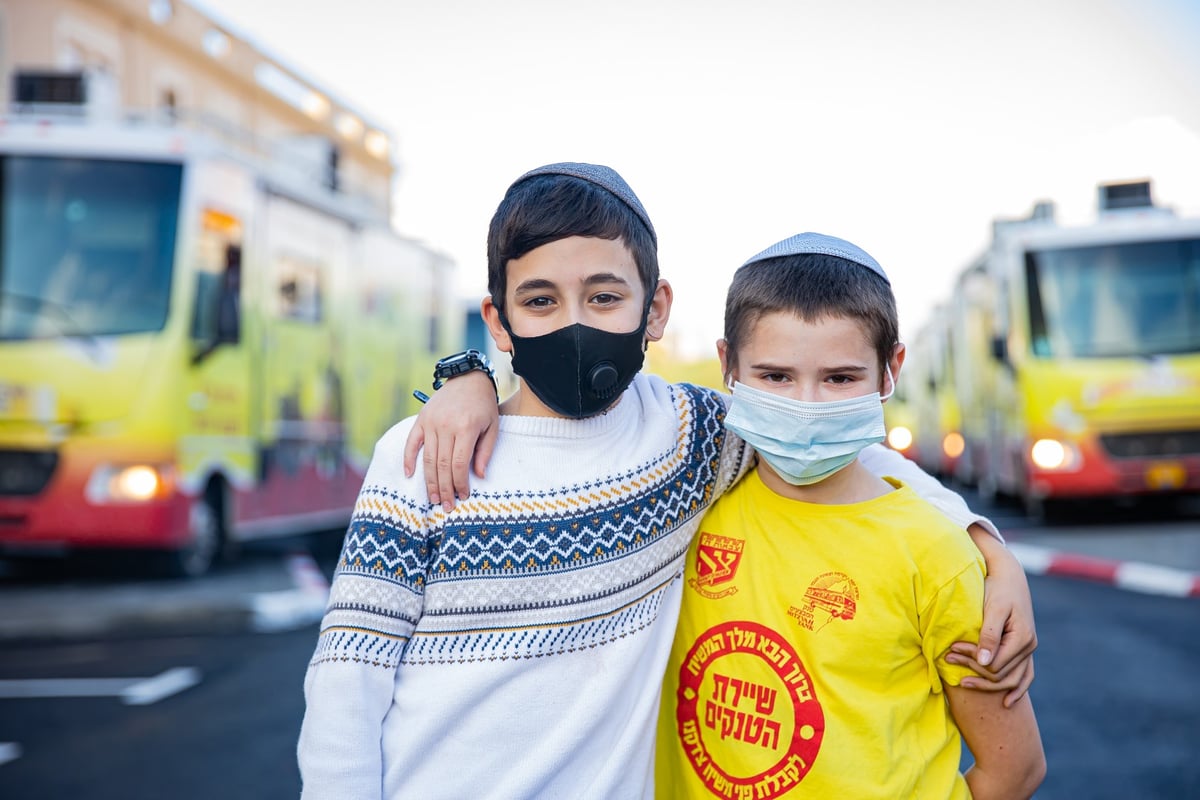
(515, 647)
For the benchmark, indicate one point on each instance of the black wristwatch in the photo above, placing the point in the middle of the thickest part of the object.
(462, 363)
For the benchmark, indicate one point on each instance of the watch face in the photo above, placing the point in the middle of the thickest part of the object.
(456, 363)
(461, 363)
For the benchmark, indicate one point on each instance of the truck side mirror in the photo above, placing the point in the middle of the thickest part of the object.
(218, 312)
(229, 301)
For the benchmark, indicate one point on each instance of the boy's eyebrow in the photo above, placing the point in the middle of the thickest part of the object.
(604, 277)
(766, 366)
(533, 285)
(595, 279)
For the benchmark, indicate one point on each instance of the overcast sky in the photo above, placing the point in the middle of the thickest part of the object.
(902, 126)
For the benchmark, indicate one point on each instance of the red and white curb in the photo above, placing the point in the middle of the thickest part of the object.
(292, 608)
(305, 603)
(1133, 576)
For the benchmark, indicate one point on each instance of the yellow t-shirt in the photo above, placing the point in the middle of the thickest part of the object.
(806, 659)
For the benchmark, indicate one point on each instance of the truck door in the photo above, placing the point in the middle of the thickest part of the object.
(302, 429)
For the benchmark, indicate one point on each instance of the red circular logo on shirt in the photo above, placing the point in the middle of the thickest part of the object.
(746, 712)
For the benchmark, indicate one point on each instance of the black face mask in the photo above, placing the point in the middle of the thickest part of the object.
(578, 371)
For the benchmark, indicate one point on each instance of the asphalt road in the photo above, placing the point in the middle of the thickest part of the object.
(230, 734)
(1114, 696)
(115, 685)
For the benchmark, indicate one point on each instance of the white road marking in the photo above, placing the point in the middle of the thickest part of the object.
(286, 610)
(160, 687)
(306, 574)
(9, 751)
(132, 691)
(292, 608)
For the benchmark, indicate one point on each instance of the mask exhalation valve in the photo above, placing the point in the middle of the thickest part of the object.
(603, 379)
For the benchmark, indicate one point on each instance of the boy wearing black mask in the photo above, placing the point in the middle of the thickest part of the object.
(514, 646)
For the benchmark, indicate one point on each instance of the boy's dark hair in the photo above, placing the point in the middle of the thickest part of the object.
(812, 286)
(548, 207)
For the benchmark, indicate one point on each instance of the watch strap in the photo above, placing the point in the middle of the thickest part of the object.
(470, 360)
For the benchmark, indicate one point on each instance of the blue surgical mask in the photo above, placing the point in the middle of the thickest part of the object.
(803, 442)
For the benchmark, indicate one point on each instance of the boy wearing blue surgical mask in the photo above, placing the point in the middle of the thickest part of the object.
(514, 645)
(819, 595)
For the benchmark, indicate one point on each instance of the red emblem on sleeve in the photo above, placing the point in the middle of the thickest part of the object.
(717, 559)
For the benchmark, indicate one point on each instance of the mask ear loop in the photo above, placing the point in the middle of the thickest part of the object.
(646, 318)
(504, 320)
(888, 369)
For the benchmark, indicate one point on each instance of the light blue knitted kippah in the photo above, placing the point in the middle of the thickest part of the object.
(604, 177)
(803, 243)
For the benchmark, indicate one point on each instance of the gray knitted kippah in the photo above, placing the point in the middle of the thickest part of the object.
(604, 177)
(803, 243)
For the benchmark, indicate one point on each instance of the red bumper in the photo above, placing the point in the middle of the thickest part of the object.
(1104, 476)
(50, 521)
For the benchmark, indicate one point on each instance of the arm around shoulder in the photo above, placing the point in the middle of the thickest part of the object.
(1008, 636)
(455, 429)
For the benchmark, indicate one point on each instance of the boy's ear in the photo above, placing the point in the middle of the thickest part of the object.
(723, 355)
(491, 318)
(894, 364)
(660, 311)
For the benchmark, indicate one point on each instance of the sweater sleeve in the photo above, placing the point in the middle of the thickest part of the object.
(884, 461)
(375, 602)
(736, 457)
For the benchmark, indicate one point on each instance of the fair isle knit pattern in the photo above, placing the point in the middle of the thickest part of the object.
(519, 574)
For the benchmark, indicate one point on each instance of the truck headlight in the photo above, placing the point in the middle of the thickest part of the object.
(900, 438)
(953, 444)
(1051, 454)
(126, 483)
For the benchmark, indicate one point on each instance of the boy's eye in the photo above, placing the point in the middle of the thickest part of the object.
(537, 302)
(605, 298)
(840, 380)
(775, 377)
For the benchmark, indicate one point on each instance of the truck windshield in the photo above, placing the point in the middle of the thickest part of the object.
(1121, 300)
(86, 246)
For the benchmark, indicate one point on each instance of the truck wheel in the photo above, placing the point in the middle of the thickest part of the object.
(196, 557)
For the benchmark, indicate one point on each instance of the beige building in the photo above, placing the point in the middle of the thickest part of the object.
(166, 60)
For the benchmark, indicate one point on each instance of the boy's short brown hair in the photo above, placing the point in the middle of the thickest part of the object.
(546, 206)
(812, 286)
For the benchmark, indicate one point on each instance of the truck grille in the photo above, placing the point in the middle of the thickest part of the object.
(25, 472)
(1162, 444)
